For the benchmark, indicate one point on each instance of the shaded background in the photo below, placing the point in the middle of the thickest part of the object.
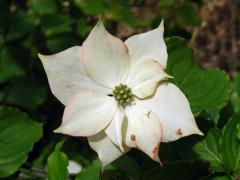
(212, 27)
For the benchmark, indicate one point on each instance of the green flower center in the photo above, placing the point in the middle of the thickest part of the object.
(123, 94)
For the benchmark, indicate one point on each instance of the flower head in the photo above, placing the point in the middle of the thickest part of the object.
(116, 93)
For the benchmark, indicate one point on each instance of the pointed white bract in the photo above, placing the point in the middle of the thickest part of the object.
(67, 76)
(116, 94)
(143, 130)
(145, 76)
(149, 45)
(105, 57)
(87, 114)
(107, 151)
(173, 109)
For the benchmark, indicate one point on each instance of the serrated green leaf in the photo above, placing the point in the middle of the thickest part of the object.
(205, 89)
(57, 163)
(209, 150)
(17, 136)
(231, 146)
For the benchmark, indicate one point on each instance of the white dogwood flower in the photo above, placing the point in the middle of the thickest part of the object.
(116, 95)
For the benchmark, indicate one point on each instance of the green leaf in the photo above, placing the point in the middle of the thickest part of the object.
(56, 24)
(82, 28)
(237, 83)
(17, 136)
(209, 150)
(231, 146)
(183, 17)
(57, 163)
(9, 67)
(174, 170)
(205, 89)
(40, 161)
(214, 115)
(235, 96)
(42, 7)
(235, 100)
(166, 4)
(238, 132)
(25, 92)
(123, 13)
(91, 172)
(90, 7)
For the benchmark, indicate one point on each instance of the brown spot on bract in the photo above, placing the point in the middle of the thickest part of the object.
(133, 137)
(179, 132)
(148, 114)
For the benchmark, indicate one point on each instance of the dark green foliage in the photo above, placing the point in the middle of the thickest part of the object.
(205, 89)
(17, 136)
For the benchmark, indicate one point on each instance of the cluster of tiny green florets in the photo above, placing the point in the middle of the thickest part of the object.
(123, 94)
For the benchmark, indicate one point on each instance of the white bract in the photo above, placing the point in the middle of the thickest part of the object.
(116, 94)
